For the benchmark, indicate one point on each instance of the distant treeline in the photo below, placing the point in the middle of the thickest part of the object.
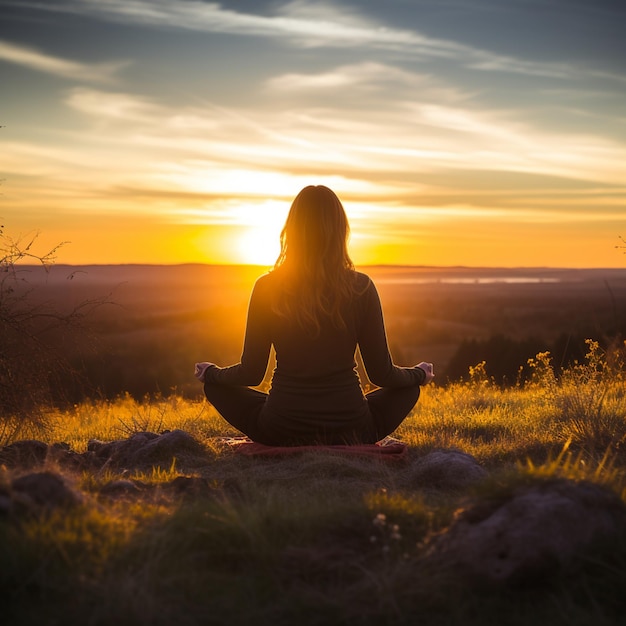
(506, 359)
(164, 367)
(160, 362)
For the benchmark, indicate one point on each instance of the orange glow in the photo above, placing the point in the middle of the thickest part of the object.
(376, 239)
(445, 148)
(258, 246)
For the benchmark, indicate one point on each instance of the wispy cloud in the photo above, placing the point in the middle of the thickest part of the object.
(303, 24)
(105, 105)
(367, 77)
(57, 66)
(423, 153)
(300, 22)
(400, 148)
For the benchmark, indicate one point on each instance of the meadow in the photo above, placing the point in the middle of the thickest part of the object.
(202, 534)
(320, 537)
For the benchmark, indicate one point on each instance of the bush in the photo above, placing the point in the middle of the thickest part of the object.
(32, 365)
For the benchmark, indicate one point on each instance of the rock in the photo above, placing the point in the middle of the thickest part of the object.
(95, 445)
(450, 470)
(169, 445)
(25, 453)
(42, 491)
(119, 451)
(31, 453)
(64, 456)
(531, 533)
(140, 451)
(61, 445)
(146, 449)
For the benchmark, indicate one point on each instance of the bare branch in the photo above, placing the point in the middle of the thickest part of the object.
(34, 361)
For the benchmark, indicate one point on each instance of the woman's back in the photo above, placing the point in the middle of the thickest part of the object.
(315, 383)
(315, 309)
(314, 352)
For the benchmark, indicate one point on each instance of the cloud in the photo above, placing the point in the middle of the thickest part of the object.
(395, 145)
(366, 75)
(488, 62)
(116, 106)
(359, 93)
(298, 22)
(48, 64)
(302, 24)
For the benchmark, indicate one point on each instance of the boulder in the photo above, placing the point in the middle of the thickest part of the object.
(118, 451)
(447, 470)
(64, 456)
(145, 449)
(25, 453)
(168, 446)
(530, 533)
(31, 453)
(42, 491)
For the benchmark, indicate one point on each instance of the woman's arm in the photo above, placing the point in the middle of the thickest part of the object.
(256, 347)
(372, 341)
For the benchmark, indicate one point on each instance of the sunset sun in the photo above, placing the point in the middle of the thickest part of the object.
(258, 245)
(259, 240)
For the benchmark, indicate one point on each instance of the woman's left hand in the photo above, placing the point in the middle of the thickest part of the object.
(428, 368)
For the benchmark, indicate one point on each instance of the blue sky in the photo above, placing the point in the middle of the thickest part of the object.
(456, 132)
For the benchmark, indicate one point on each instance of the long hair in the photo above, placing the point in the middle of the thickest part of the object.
(314, 264)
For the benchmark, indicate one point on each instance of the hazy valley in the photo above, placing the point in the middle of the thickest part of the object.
(156, 321)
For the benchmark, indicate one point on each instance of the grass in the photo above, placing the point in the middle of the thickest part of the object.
(319, 539)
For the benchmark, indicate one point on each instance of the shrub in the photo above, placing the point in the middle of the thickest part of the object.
(32, 366)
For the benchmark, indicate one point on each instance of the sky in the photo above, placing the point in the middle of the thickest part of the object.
(455, 132)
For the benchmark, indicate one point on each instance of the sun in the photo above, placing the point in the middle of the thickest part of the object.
(258, 246)
(259, 240)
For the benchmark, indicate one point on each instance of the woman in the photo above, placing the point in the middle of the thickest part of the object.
(315, 309)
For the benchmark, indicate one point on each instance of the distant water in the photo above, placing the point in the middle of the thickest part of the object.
(474, 280)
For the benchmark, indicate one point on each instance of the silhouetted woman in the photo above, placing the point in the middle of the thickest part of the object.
(315, 309)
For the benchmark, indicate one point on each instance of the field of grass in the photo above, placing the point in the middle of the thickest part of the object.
(318, 538)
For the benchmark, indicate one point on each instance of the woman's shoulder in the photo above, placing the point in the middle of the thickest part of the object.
(271, 284)
(361, 281)
(266, 282)
(265, 279)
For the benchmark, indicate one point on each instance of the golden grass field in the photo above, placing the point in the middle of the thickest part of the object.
(318, 538)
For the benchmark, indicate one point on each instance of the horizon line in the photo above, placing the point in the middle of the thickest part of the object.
(357, 266)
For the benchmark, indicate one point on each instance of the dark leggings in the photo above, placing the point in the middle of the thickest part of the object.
(242, 406)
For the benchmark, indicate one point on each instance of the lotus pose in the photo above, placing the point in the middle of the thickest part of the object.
(315, 309)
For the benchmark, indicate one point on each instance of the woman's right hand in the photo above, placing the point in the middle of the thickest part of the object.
(201, 368)
(428, 369)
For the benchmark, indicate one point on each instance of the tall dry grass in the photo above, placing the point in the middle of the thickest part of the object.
(319, 538)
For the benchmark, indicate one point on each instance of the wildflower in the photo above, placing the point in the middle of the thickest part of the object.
(380, 520)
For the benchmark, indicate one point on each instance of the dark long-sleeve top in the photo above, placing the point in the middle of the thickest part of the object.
(315, 376)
